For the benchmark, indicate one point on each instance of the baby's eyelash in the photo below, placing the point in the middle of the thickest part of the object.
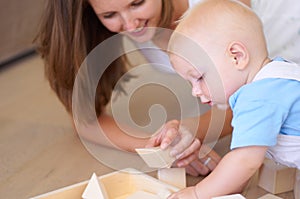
(200, 78)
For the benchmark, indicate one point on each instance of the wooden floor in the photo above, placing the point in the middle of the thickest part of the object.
(39, 150)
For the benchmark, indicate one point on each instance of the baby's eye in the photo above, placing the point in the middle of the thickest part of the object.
(137, 3)
(200, 78)
(108, 15)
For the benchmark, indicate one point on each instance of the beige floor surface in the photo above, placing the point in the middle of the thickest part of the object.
(39, 150)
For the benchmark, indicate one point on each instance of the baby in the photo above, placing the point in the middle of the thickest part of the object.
(220, 48)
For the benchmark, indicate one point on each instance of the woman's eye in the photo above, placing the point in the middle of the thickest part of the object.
(108, 15)
(137, 3)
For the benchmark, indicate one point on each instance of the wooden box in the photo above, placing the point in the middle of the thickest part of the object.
(128, 183)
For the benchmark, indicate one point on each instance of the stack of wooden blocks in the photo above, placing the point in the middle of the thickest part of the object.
(276, 178)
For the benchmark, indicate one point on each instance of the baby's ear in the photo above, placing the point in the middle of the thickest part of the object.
(238, 52)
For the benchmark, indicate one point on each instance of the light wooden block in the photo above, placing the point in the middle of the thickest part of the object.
(233, 196)
(276, 178)
(269, 196)
(93, 189)
(173, 176)
(297, 185)
(155, 157)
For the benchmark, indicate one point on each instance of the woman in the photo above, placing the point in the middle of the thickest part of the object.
(71, 29)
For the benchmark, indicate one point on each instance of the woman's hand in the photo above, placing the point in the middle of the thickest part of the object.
(202, 165)
(183, 144)
(185, 148)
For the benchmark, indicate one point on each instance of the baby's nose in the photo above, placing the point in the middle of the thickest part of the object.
(196, 91)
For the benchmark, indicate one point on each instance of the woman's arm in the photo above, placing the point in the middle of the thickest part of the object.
(111, 135)
(130, 139)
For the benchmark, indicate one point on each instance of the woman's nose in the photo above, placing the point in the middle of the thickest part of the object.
(130, 23)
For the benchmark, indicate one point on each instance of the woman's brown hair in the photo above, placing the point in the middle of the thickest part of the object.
(69, 31)
(166, 14)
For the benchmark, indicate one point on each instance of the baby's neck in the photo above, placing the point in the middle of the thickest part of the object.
(256, 69)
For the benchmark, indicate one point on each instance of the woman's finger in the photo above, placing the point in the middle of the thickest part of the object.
(165, 135)
(182, 146)
(208, 162)
(191, 171)
(200, 167)
(169, 133)
(186, 161)
(215, 156)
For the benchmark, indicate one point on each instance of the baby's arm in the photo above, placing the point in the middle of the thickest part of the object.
(231, 174)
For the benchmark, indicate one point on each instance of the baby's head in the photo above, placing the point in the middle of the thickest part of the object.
(231, 37)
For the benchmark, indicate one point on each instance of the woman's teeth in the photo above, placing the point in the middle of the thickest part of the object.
(138, 29)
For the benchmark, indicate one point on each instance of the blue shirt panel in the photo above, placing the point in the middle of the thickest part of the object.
(263, 109)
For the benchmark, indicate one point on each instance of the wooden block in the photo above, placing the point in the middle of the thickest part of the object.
(276, 178)
(234, 196)
(173, 176)
(155, 157)
(269, 196)
(93, 189)
(297, 185)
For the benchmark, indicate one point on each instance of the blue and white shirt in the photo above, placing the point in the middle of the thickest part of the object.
(268, 108)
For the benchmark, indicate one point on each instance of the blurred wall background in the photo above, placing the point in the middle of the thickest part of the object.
(19, 21)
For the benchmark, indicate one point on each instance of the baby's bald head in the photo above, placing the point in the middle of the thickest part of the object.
(222, 21)
(222, 41)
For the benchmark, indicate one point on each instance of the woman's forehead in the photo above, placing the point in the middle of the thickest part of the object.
(101, 6)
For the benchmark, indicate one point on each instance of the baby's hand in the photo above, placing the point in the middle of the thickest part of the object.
(189, 192)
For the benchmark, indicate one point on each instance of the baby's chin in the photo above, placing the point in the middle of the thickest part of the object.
(222, 106)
